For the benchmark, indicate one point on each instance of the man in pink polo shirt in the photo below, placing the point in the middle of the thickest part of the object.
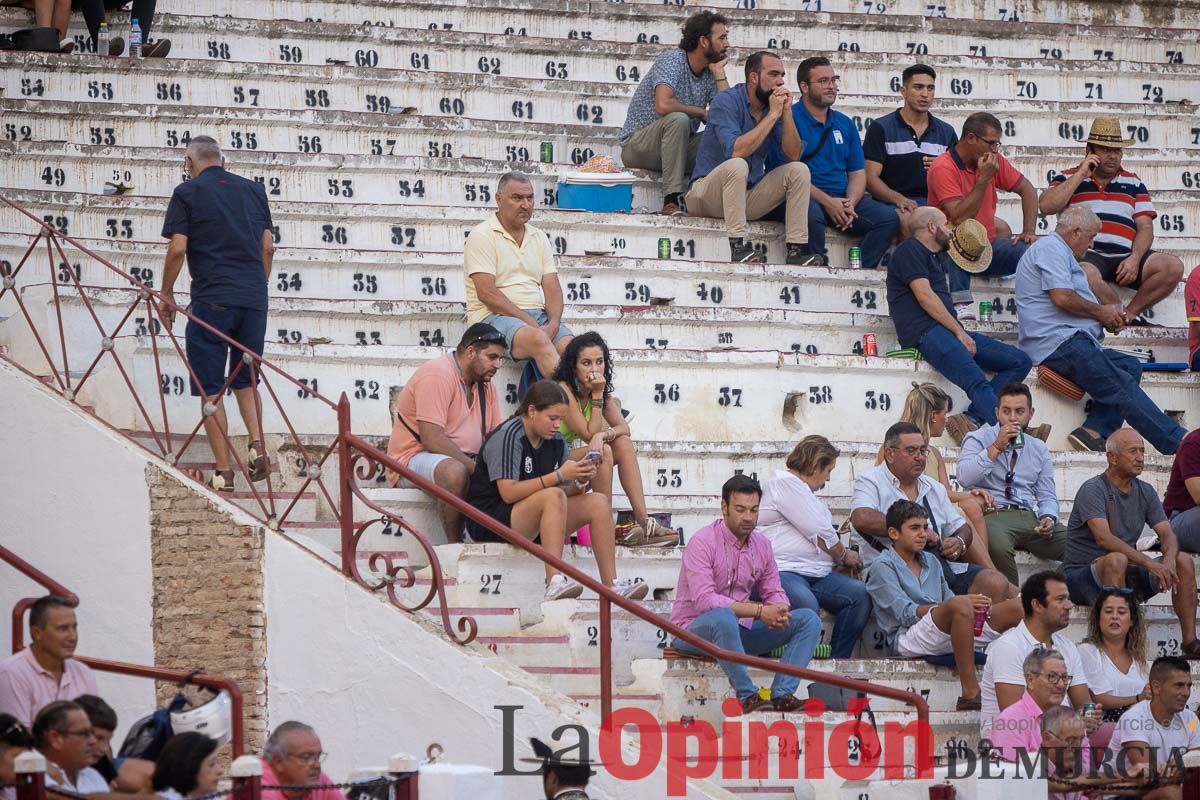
(1018, 727)
(292, 756)
(724, 565)
(45, 671)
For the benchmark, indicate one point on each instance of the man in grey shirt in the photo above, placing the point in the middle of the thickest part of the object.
(1016, 469)
(1110, 512)
(661, 130)
(1061, 326)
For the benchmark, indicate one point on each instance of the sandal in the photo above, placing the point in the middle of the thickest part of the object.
(221, 481)
(1191, 650)
(969, 703)
(256, 462)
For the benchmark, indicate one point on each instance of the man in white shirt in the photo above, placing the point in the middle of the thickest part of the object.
(1047, 606)
(1157, 732)
(902, 476)
(63, 734)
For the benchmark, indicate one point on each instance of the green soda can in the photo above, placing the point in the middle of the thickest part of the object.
(855, 258)
(547, 152)
(985, 311)
(1019, 440)
(664, 248)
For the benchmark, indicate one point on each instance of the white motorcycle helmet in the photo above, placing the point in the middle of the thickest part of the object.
(214, 719)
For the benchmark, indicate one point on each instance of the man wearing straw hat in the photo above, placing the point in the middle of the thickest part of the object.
(919, 300)
(1061, 325)
(1122, 251)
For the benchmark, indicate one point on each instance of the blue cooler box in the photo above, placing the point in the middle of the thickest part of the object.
(596, 192)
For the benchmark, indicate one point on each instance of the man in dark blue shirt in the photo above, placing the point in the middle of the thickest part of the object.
(731, 179)
(899, 146)
(834, 154)
(918, 293)
(222, 224)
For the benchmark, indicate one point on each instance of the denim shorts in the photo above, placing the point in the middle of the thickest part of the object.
(210, 355)
(510, 325)
(1084, 588)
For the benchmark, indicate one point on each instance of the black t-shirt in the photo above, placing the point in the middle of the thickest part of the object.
(910, 261)
(224, 216)
(508, 455)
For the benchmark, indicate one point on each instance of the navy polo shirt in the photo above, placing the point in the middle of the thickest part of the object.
(728, 118)
(223, 217)
(842, 152)
(912, 260)
(892, 142)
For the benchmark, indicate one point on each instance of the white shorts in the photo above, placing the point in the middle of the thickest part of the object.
(424, 464)
(927, 639)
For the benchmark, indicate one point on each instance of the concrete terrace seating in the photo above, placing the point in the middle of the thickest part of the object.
(379, 130)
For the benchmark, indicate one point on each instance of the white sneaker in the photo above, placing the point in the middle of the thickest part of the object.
(562, 588)
(630, 588)
(965, 311)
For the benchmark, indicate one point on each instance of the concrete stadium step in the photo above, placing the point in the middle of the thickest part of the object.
(460, 15)
(413, 229)
(367, 291)
(567, 101)
(483, 28)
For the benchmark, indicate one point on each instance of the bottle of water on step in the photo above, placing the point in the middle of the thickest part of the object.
(103, 39)
(135, 40)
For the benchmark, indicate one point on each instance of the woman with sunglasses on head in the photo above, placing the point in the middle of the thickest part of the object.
(14, 740)
(926, 407)
(594, 423)
(1113, 655)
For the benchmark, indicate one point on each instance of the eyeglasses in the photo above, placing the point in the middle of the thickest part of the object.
(834, 81)
(310, 758)
(1054, 677)
(912, 451)
(89, 733)
(993, 144)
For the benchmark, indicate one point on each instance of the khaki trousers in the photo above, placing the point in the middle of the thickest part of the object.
(722, 193)
(667, 146)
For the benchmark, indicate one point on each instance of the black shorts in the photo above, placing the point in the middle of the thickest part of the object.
(1107, 265)
(501, 513)
(209, 354)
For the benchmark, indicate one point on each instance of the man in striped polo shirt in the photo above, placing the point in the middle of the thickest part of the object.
(1121, 253)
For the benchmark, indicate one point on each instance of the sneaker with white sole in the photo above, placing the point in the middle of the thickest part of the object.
(562, 588)
(631, 588)
(965, 311)
(651, 534)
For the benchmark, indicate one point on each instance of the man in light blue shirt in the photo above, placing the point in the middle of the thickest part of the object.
(731, 179)
(1061, 326)
(1015, 468)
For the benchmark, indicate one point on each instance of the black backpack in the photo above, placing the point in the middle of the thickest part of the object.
(147, 736)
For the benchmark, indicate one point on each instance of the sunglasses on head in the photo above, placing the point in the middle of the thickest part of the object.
(495, 337)
(1119, 590)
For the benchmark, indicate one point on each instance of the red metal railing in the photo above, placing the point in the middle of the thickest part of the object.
(216, 682)
(360, 461)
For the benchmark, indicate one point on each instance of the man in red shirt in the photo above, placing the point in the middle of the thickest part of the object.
(1191, 307)
(1180, 503)
(963, 183)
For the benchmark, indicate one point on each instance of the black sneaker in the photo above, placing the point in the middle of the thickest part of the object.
(159, 48)
(1140, 321)
(1082, 440)
(742, 252)
(798, 255)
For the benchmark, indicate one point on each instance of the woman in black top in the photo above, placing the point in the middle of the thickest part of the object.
(525, 478)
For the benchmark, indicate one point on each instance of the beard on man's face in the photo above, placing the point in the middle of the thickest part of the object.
(762, 94)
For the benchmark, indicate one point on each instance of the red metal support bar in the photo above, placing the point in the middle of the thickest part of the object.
(346, 519)
(37, 576)
(606, 684)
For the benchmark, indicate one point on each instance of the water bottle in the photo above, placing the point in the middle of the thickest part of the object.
(102, 42)
(135, 40)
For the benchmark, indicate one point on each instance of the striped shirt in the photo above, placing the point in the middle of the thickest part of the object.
(1122, 200)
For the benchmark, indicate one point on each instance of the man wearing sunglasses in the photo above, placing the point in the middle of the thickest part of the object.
(1016, 469)
(963, 183)
(1110, 513)
(443, 414)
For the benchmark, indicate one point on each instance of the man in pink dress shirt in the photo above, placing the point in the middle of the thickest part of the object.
(725, 565)
(45, 671)
(292, 756)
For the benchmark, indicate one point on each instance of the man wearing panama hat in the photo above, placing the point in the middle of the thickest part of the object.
(1121, 253)
(919, 301)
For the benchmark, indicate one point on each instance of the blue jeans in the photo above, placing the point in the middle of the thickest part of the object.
(1005, 256)
(876, 223)
(946, 354)
(721, 627)
(838, 594)
(1111, 378)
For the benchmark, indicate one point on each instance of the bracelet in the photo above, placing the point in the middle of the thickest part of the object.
(542, 480)
(558, 474)
(961, 541)
(758, 614)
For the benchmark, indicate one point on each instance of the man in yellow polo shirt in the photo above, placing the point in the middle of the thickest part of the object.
(512, 283)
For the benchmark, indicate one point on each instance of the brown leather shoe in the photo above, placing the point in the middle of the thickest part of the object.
(672, 210)
(969, 703)
(787, 704)
(1039, 431)
(958, 426)
(755, 702)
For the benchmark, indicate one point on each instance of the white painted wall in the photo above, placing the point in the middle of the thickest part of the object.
(374, 682)
(74, 504)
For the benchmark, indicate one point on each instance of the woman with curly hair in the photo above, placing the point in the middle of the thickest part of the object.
(594, 422)
(1113, 655)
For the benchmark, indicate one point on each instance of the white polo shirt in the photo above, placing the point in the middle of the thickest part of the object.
(878, 489)
(1005, 664)
(88, 781)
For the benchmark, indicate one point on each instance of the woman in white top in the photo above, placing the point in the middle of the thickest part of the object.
(1113, 655)
(188, 766)
(806, 544)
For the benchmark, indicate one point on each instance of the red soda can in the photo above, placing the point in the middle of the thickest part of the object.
(869, 348)
(980, 618)
(941, 791)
